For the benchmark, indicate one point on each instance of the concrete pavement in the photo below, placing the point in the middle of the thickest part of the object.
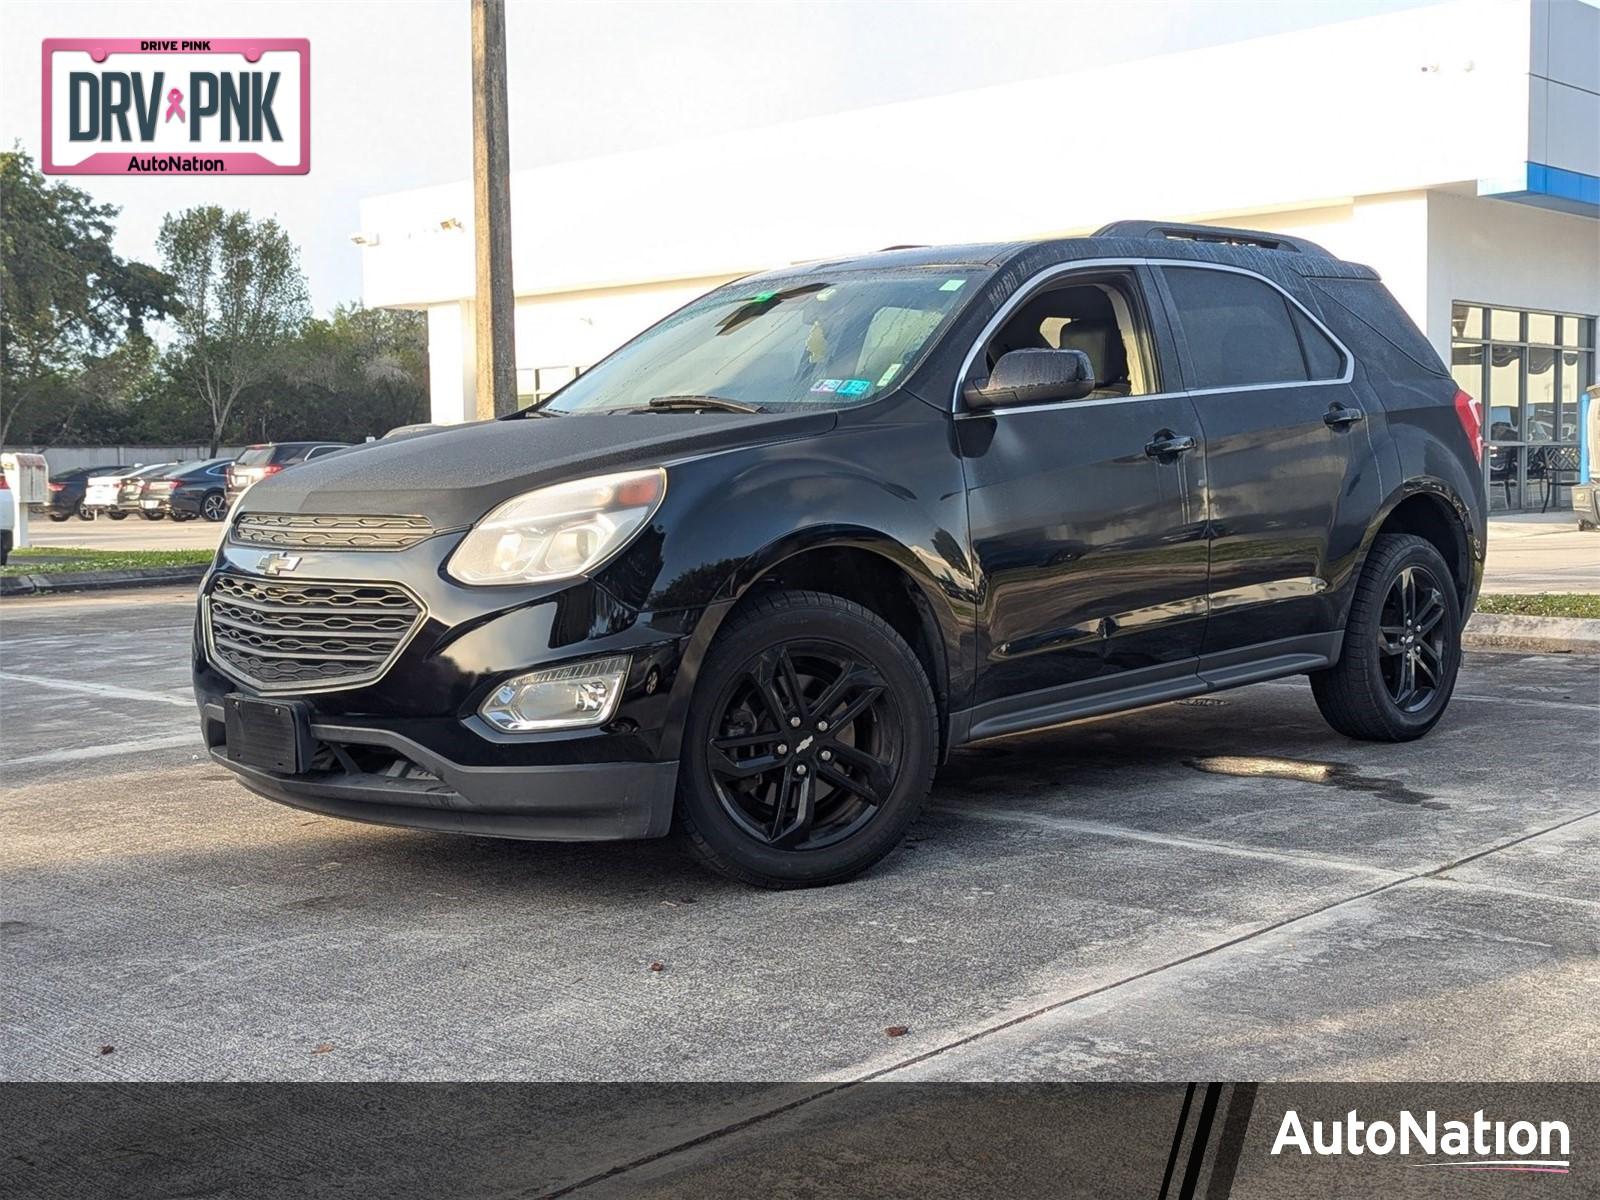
(1220, 887)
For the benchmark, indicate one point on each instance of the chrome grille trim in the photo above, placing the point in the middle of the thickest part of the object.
(318, 531)
(307, 635)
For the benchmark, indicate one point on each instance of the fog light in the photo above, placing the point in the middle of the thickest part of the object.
(570, 697)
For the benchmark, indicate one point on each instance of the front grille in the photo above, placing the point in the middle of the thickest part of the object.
(280, 635)
(317, 531)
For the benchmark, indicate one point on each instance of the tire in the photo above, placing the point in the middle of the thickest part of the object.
(214, 506)
(180, 517)
(116, 514)
(58, 516)
(150, 515)
(862, 777)
(1365, 695)
(84, 514)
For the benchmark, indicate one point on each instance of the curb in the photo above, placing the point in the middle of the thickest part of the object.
(46, 583)
(1534, 635)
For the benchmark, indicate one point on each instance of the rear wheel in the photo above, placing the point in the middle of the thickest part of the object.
(57, 515)
(214, 507)
(150, 514)
(116, 514)
(810, 744)
(1402, 646)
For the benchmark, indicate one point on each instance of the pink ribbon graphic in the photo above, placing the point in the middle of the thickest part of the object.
(175, 105)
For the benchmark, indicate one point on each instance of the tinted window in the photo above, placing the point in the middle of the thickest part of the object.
(1323, 359)
(1237, 328)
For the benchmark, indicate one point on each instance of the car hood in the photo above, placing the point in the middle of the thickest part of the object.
(455, 474)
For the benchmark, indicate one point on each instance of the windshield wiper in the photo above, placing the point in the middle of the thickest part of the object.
(699, 404)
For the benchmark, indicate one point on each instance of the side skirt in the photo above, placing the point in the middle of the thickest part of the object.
(1208, 673)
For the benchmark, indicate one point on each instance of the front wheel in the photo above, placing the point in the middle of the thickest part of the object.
(1402, 646)
(810, 744)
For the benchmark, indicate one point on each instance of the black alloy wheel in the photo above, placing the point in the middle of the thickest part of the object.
(1402, 645)
(810, 743)
(214, 507)
(1411, 638)
(806, 745)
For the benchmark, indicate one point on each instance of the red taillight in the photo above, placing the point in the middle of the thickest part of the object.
(4, 486)
(161, 485)
(58, 487)
(271, 469)
(1470, 413)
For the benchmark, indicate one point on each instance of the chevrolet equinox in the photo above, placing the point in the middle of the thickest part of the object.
(754, 575)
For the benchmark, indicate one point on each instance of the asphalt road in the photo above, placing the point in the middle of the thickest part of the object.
(1219, 888)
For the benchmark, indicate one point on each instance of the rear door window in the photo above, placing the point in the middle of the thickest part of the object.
(1237, 327)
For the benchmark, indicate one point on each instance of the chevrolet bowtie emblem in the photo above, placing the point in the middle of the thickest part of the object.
(277, 564)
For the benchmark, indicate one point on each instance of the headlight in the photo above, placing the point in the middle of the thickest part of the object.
(558, 532)
(569, 697)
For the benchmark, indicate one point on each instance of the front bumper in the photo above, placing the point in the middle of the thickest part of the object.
(566, 801)
(408, 747)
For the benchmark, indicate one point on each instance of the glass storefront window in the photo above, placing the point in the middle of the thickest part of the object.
(1528, 369)
(1466, 321)
(1504, 402)
(1541, 394)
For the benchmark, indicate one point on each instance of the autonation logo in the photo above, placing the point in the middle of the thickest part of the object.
(1480, 1144)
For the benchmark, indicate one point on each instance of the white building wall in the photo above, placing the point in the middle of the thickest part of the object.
(1373, 137)
(1515, 255)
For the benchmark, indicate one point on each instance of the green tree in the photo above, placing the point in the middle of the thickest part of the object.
(243, 297)
(68, 302)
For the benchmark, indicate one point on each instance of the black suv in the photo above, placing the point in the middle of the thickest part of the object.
(757, 572)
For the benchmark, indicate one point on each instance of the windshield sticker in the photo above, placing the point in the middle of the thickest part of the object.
(854, 387)
(884, 379)
(762, 297)
(826, 385)
(952, 285)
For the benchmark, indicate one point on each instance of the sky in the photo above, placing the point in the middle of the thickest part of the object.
(390, 95)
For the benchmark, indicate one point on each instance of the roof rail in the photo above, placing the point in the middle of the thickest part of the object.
(1215, 234)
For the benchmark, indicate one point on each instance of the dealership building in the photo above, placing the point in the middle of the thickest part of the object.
(1455, 148)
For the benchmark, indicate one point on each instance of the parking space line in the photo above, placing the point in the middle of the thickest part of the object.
(1520, 893)
(106, 690)
(1096, 829)
(171, 741)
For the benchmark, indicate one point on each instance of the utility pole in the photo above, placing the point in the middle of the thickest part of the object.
(491, 213)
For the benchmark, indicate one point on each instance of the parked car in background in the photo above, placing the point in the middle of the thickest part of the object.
(255, 463)
(188, 490)
(756, 573)
(112, 494)
(67, 490)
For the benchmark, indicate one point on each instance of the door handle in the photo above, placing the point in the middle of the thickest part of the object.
(1166, 444)
(1339, 416)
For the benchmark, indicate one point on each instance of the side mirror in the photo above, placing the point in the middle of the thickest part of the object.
(1033, 377)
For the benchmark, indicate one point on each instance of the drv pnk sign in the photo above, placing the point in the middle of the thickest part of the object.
(191, 106)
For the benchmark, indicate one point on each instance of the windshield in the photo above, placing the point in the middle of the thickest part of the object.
(828, 341)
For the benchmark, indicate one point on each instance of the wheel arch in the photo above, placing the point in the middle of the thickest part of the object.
(1430, 509)
(872, 569)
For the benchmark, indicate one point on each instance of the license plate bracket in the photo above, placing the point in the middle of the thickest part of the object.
(274, 735)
